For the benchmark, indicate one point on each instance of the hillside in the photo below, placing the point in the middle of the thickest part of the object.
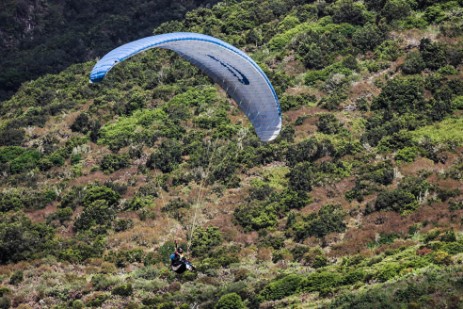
(40, 37)
(357, 204)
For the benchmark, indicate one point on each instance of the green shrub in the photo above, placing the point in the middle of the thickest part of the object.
(12, 137)
(114, 162)
(348, 11)
(389, 50)
(78, 304)
(123, 290)
(441, 257)
(321, 281)
(329, 219)
(457, 103)
(288, 102)
(122, 258)
(139, 202)
(413, 63)
(81, 247)
(121, 225)
(9, 153)
(401, 95)
(17, 277)
(230, 301)
(255, 216)
(301, 177)
(97, 214)
(307, 150)
(84, 124)
(433, 54)
(26, 161)
(407, 154)
(166, 157)
(315, 258)
(21, 239)
(204, 240)
(396, 200)
(281, 288)
(100, 193)
(357, 275)
(4, 291)
(101, 282)
(5, 302)
(397, 9)
(388, 271)
(97, 299)
(62, 215)
(328, 124)
(367, 37)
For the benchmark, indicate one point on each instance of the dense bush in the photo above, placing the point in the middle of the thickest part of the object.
(328, 124)
(256, 216)
(114, 162)
(12, 137)
(348, 11)
(100, 193)
(397, 9)
(96, 214)
(21, 239)
(369, 178)
(308, 150)
(301, 177)
(16, 200)
(413, 63)
(205, 239)
(281, 288)
(166, 157)
(367, 37)
(17, 277)
(403, 199)
(124, 290)
(401, 95)
(17, 160)
(330, 218)
(230, 301)
(396, 200)
(83, 246)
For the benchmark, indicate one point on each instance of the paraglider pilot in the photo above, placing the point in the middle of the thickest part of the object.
(178, 262)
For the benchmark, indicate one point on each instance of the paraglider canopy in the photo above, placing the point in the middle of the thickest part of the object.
(228, 66)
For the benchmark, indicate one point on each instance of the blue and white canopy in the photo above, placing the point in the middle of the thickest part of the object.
(228, 66)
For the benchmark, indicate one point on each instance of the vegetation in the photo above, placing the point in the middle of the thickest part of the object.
(42, 38)
(357, 203)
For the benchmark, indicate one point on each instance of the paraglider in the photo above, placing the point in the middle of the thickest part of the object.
(232, 69)
(178, 262)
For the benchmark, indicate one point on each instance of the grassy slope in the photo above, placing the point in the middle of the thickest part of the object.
(410, 256)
